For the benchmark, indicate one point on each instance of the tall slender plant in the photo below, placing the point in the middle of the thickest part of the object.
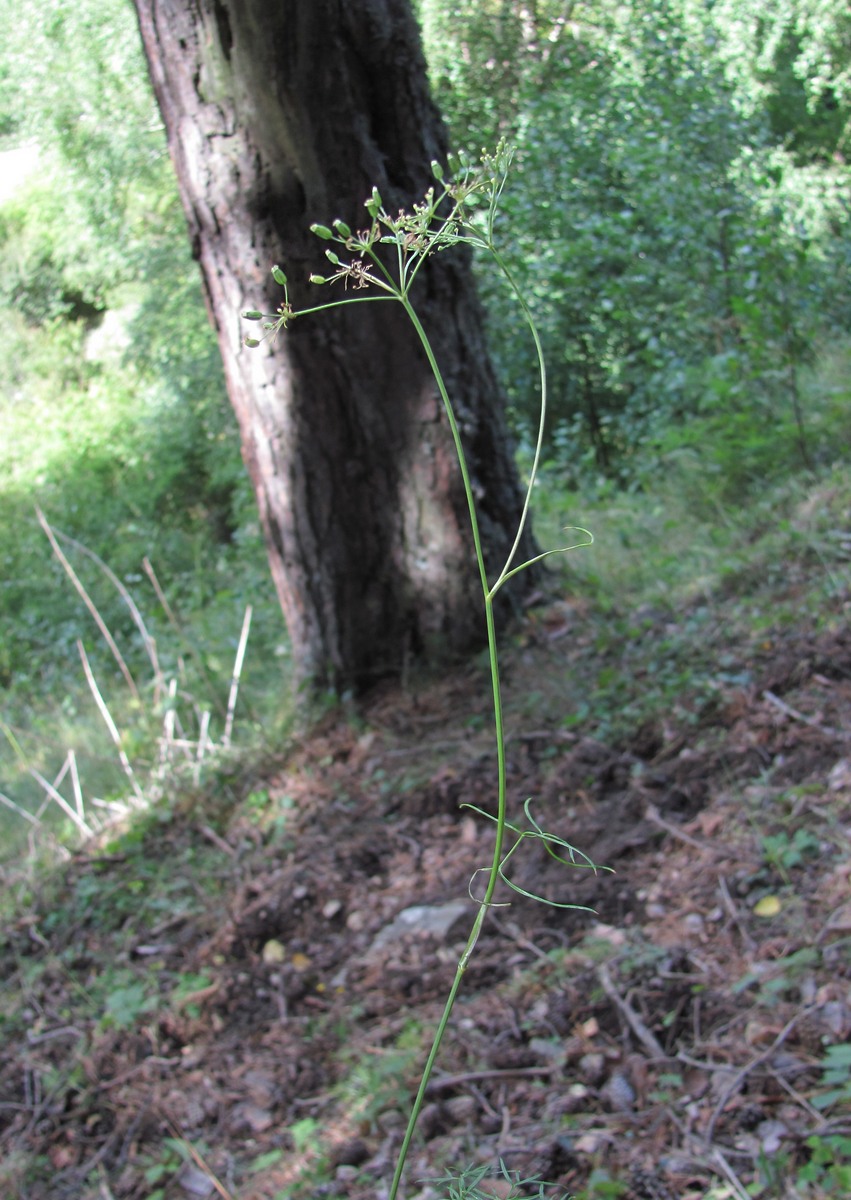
(456, 210)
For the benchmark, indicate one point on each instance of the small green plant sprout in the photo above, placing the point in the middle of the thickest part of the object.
(125, 1003)
(468, 1185)
(380, 263)
(828, 1172)
(783, 852)
(836, 1078)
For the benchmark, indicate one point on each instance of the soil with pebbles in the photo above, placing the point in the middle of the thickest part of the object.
(670, 1041)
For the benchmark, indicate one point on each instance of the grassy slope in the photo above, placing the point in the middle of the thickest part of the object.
(637, 688)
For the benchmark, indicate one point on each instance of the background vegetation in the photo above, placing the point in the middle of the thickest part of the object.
(680, 220)
(678, 217)
(115, 416)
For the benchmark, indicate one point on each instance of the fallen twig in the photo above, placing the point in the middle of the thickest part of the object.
(153, 1060)
(212, 836)
(734, 913)
(729, 1174)
(196, 1157)
(445, 1082)
(800, 1100)
(740, 1076)
(787, 709)
(36, 1039)
(647, 1039)
(652, 814)
(75, 784)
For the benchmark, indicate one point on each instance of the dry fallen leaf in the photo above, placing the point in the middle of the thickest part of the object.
(273, 952)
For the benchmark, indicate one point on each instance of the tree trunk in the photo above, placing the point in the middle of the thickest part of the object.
(278, 115)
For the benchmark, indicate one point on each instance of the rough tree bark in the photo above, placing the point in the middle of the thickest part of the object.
(278, 115)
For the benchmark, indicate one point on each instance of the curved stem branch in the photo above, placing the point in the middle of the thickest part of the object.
(506, 572)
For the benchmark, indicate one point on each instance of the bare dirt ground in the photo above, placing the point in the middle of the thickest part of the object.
(669, 1044)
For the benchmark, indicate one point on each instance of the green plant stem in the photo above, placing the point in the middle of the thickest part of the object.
(488, 594)
(456, 437)
(499, 727)
(435, 1049)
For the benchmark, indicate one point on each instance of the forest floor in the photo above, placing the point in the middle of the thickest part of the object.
(224, 1001)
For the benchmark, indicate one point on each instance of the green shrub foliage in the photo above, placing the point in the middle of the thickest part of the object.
(682, 233)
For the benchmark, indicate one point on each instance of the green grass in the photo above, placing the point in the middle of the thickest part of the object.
(682, 568)
(666, 554)
(130, 467)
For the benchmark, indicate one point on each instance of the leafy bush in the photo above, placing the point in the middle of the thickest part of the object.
(680, 262)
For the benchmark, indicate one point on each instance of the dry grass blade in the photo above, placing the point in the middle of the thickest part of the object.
(110, 724)
(181, 632)
(84, 828)
(89, 603)
(75, 783)
(21, 812)
(203, 744)
(237, 673)
(138, 620)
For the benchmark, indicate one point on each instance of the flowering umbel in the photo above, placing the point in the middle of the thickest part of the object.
(460, 209)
